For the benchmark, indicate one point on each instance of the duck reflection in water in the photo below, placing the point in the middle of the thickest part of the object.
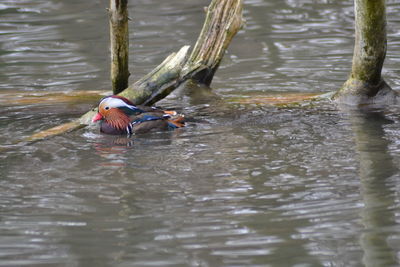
(114, 149)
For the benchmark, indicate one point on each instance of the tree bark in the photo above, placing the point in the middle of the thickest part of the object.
(119, 44)
(365, 83)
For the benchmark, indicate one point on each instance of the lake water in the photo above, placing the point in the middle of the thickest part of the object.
(241, 185)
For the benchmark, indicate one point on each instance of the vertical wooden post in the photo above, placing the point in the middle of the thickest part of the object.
(365, 79)
(119, 44)
(370, 40)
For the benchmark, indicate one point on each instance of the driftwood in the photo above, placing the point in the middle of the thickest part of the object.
(223, 21)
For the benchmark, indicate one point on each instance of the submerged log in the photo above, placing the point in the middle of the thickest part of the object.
(56, 98)
(365, 84)
(119, 44)
(223, 21)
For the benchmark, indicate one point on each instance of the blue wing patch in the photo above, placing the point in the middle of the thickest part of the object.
(146, 118)
(172, 126)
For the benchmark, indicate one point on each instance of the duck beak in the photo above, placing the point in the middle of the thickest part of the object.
(97, 117)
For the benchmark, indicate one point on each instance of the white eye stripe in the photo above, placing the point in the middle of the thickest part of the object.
(115, 103)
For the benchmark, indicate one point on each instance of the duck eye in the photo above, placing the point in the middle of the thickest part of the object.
(107, 108)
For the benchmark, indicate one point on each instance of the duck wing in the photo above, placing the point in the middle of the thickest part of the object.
(147, 122)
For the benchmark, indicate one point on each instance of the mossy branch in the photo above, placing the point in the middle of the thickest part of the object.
(119, 44)
(365, 84)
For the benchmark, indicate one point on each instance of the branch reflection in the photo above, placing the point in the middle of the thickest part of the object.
(376, 167)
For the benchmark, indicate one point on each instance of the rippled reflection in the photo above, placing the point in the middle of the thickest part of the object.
(376, 169)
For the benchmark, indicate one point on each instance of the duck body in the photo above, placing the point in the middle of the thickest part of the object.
(118, 116)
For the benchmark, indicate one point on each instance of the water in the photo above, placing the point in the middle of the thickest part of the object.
(241, 185)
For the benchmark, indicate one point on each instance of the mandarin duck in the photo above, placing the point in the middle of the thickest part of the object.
(118, 115)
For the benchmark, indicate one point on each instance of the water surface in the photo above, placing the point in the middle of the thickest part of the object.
(241, 185)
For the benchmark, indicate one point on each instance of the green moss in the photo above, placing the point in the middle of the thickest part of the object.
(369, 50)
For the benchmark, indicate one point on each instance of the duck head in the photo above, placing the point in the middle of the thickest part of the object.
(115, 111)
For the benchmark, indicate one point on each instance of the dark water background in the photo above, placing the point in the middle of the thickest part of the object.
(242, 185)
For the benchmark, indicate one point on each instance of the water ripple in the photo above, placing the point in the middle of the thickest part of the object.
(241, 185)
